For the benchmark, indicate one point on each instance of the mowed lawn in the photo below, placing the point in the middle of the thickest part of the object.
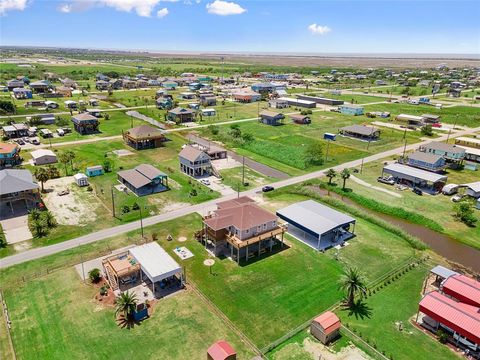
(55, 317)
(392, 304)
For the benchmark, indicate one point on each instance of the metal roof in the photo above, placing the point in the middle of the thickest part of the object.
(414, 172)
(14, 180)
(360, 129)
(474, 186)
(155, 261)
(328, 321)
(443, 272)
(463, 288)
(313, 216)
(430, 158)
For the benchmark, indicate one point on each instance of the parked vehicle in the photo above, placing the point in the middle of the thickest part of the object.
(436, 125)
(20, 142)
(386, 180)
(268, 188)
(450, 189)
(60, 132)
(457, 197)
(205, 182)
(63, 192)
(35, 141)
(417, 191)
(335, 110)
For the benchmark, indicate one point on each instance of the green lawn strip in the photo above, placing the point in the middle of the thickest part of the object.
(233, 178)
(54, 317)
(5, 348)
(396, 302)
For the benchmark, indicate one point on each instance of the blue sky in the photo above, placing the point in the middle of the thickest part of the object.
(341, 26)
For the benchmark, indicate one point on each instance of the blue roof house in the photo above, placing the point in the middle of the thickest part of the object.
(94, 171)
(22, 93)
(351, 110)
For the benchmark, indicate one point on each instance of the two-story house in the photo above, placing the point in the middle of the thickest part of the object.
(9, 155)
(451, 153)
(426, 161)
(194, 162)
(241, 229)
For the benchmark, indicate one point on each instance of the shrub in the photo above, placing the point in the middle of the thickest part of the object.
(125, 209)
(95, 275)
(442, 336)
(135, 206)
(89, 188)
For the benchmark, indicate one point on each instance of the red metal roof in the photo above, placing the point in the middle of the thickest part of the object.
(221, 350)
(328, 321)
(463, 318)
(463, 288)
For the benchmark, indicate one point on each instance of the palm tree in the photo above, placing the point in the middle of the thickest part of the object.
(53, 172)
(331, 173)
(126, 304)
(42, 175)
(50, 219)
(71, 157)
(352, 282)
(345, 174)
(63, 159)
(34, 214)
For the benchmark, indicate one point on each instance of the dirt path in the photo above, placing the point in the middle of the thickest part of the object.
(366, 184)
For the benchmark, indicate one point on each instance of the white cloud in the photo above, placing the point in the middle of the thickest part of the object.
(141, 7)
(223, 8)
(162, 12)
(65, 8)
(319, 29)
(8, 5)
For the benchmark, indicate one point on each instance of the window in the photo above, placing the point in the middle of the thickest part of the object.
(247, 231)
(265, 226)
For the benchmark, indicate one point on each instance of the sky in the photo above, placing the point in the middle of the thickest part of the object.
(341, 26)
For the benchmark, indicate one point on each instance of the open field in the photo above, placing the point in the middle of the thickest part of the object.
(354, 98)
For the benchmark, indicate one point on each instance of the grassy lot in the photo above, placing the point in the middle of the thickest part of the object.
(461, 115)
(284, 147)
(402, 90)
(353, 98)
(233, 178)
(397, 302)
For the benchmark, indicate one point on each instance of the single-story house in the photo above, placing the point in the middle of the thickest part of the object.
(129, 84)
(194, 162)
(46, 119)
(414, 177)
(15, 130)
(43, 157)
(180, 115)
(96, 170)
(35, 103)
(208, 100)
(144, 179)
(94, 112)
(15, 83)
(18, 188)
(326, 327)
(317, 225)
(70, 104)
(69, 83)
(363, 132)
(164, 102)
(321, 100)
(431, 119)
(22, 93)
(468, 141)
(188, 95)
(40, 86)
(221, 350)
(209, 112)
(46, 133)
(64, 91)
(300, 119)
(246, 96)
(298, 102)
(473, 189)
(426, 161)
(410, 120)
(170, 85)
(80, 179)
(471, 154)
(93, 102)
(451, 153)
(265, 87)
(144, 137)
(9, 155)
(351, 110)
(241, 229)
(85, 123)
(271, 118)
(278, 104)
(102, 85)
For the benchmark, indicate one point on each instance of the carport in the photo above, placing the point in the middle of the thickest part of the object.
(317, 225)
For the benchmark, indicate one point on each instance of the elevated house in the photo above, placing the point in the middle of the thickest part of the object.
(241, 229)
(9, 155)
(301, 119)
(85, 124)
(271, 117)
(115, 84)
(144, 137)
(170, 85)
(426, 161)
(194, 162)
(164, 102)
(129, 84)
(18, 191)
(102, 85)
(181, 115)
(71, 105)
(41, 86)
(64, 91)
(22, 93)
(431, 118)
(69, 83)
(451, 153)
(208, 100)
(363, 132)
(15, 130)
(411, 120)
(144, 179)
(246, 96)
(15, 83)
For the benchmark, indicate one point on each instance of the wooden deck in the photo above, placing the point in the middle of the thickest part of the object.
(238, 244)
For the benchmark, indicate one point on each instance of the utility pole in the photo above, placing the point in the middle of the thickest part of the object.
(405, 148)
(141, 221)
(113, 202)
(243, 171)
(361, 166)
(326, 153)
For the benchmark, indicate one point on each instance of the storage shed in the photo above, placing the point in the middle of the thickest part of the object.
(43, 157)
(94, 170)
(81, 179)
(326, 327)
(221, 350)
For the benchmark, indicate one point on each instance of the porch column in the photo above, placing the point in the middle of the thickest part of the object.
(282, 240)
(246, 253)
(153, 288)
(353, 231)
(319, 239)
(231, 251)
(259, 247)
(238, 256)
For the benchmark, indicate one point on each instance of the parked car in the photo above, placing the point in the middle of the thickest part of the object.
(457, 197)
(267, 188)
(20, 142)
(386, 180)
(417, 191)
(35, 141)
(335, 110)
(60, 132)
(436, 125)
(205, 182)
(63, 192)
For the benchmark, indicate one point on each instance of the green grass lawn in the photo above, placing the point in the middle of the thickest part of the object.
(354, 98)
(233, 178)
(397, 302)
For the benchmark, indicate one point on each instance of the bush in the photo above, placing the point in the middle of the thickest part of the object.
(95, 275)
(89, 188)
(214, 130)
(125, 209)
(135, 206)
(442, 336)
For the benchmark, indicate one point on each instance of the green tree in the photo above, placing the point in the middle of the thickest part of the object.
(107, 165)
(464, 213)
(235, 131)
(7, 107)
(53, 172)
(331, 173)
(126, 303)
(42, 175)
(64, 159)
(427, 130)
(34, 214)
(39, 228)
(345, 174)
(95, 275)
(352, 282)
(314, 154)
(71, 156)
(49, 219)
(3, 239)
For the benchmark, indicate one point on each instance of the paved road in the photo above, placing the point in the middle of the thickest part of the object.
(255, 165)
(37, 253)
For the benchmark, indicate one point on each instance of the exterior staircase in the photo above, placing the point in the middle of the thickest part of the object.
(111, 278)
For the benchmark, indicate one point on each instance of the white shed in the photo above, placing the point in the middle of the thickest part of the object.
(43, 157)
(81, 179)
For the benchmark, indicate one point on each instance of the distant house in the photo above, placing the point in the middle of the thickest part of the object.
(35, 103)
(262, 88)
(85, 123)
(51, 104)
(102, 85)
(15, 83)
(468, 141)
(94, 112)
(144, 137)
(154, 82)
(64, 91)
(362, 132)
(208, 112)
(300, 119)
(221, 350)
(188, 95)
(101, 77)
(9, 155)
(144, 179)
(298, 102)
(241, 229)
(380, 82)
(426, 161)
(43, 157)
(129, 84)
(208, 100)
(180, 115)
(321, 100)
(326, 327)
(41, 86)
(164, 102)
(69, 83)
(70, 104)
(246, 96)
(351, 110)
(80, 179)
(271, 118)
(411, 120)
(194, 162)
(115, 84)
(451, 153)
(17, 189)
(453, 92)
(96, 170)
(15, 130)
(22, 93)
(170, 85)
(431, 119)
(278, 104)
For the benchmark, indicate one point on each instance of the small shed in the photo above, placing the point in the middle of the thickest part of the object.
(221, 350)
(43, 157)
(94, 170)
(208, 112)
(326, 327)
(81, 179)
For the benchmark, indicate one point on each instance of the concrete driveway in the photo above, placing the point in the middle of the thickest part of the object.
(16, 229)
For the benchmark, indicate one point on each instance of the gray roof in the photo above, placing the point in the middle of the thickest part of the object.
(360, 129)
(141, 175)
(314, 216)
(95, 167)
(414, 172)
(178, 111)
(474, 186)
(437, 145)
(425, 157)
(13, 180)
(191, 153)
(443, 272)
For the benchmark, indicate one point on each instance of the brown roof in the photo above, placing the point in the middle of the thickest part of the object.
(270, 113)
(84, 117)
(144, 131)
(328, 321)
(179, 110)
(245, 215)
(190, 153)
(7, 148)
(298, 117)
(141, 175)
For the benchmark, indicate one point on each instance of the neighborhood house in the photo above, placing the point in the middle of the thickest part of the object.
(144, 179)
